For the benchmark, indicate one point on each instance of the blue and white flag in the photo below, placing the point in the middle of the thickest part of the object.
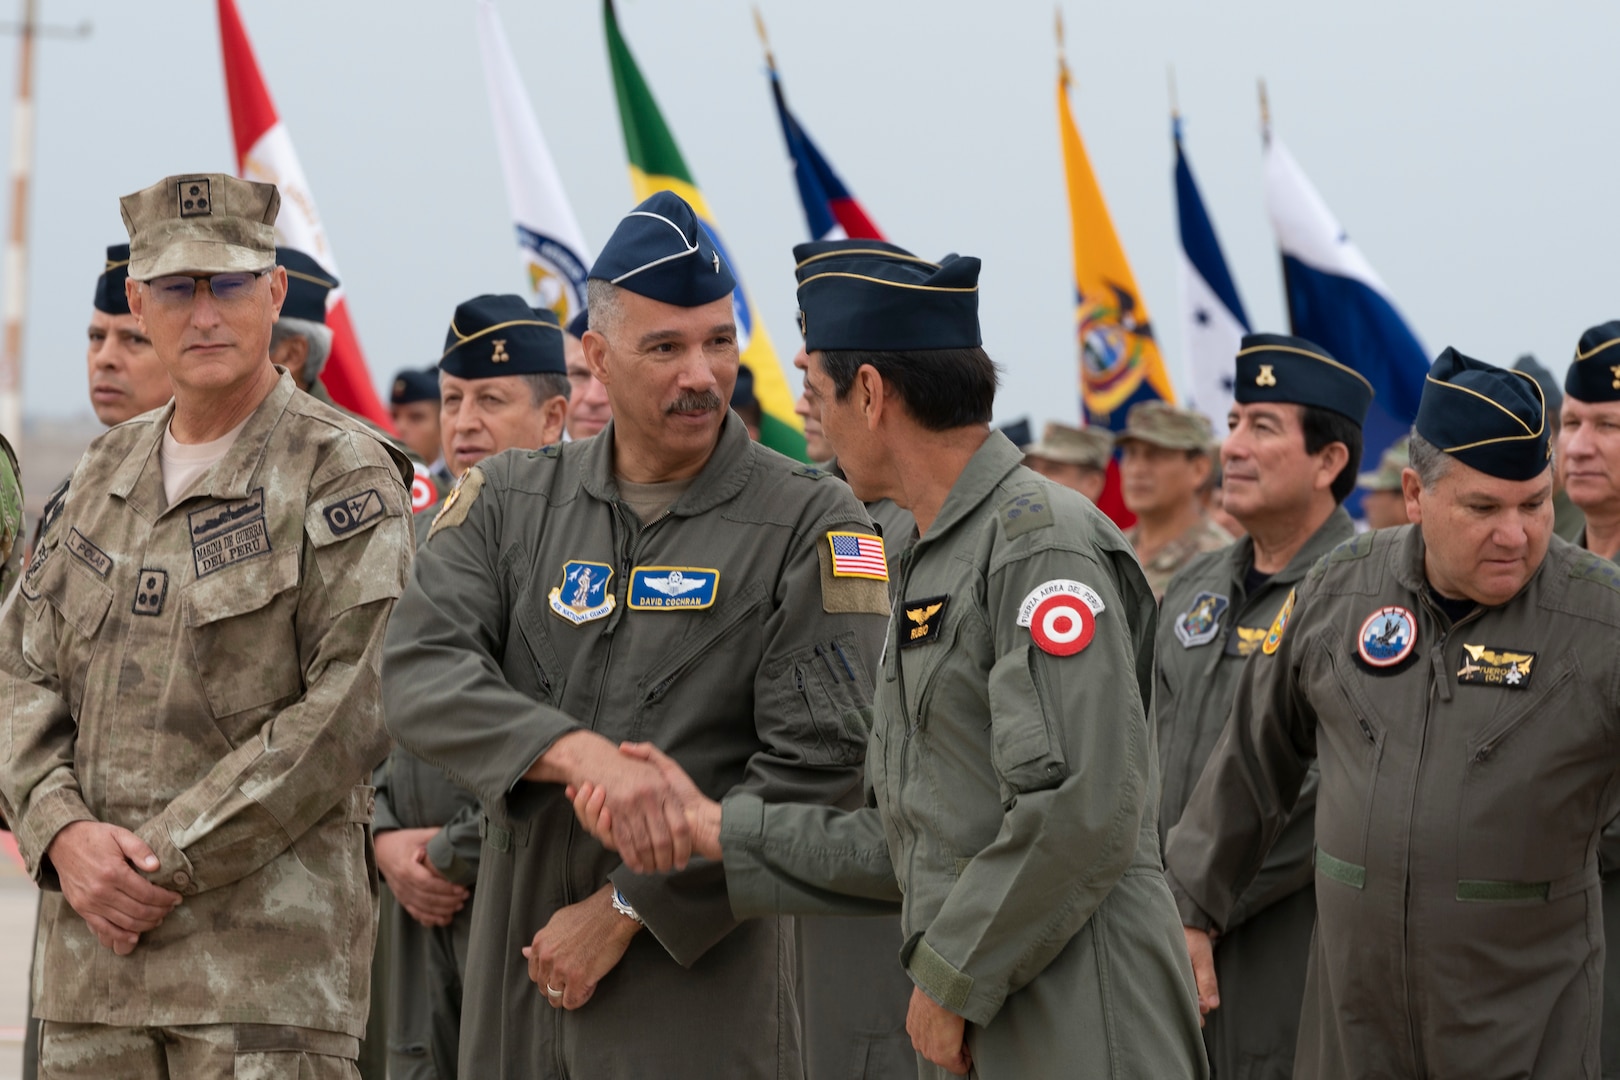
(1337, 300)
(1213, 319)
(551, 248)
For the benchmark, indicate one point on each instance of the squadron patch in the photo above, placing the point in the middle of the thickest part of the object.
(1200, 623)
(583, 594)
(1061, 615)
(458, 502)
(667, 588)
(88, 553)
(1274, 636)
(227, 533)
(1485, 666)
(924, 620)
(348, 514)
(1387, 638)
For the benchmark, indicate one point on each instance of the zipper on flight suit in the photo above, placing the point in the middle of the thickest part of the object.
(902, 820)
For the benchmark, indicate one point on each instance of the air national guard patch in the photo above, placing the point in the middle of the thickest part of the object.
(1274, 636)
(583, 594)
(1485, 666)
(1200, 623)
(1387, 638)
(1061, 616)
(667, 588)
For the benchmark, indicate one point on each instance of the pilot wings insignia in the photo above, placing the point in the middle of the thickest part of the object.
(928, 618)
(921, 615)
(674, 584)
(1485, 666)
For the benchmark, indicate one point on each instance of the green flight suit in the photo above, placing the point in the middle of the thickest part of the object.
(1609, 858)
(1466, 777)
(1010, 794)
(753, 668)
(1210, 625)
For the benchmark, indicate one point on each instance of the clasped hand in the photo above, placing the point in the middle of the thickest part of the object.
(598, 810)
(96, 864)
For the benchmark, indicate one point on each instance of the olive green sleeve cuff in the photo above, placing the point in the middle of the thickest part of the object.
(940, 980)
(454, 849)
(742, 828)
(1191, 914)
(37, 827)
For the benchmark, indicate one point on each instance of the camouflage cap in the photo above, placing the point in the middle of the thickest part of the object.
(1167, 426)
(201, 223)
(1387, 477)
(1090, 447)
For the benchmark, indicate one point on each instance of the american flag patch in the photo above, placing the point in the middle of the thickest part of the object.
(858, 555)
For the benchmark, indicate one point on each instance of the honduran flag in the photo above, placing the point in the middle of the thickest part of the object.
(1212, 312)
(264, 152)
(831, 211)
(1337, 300)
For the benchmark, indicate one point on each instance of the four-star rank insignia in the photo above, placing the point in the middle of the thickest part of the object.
(1387, 638)
(1485, 666)
(583, 594)
(1200, 623)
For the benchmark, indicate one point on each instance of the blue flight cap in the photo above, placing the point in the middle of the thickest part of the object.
(502, 335)
(308, 282)
(871, 295)
(661, 251)
(1486, 417)
(580, 323)
(412, 386)
(110, 296)
(742, 394)
(1291, 370)
(1594, 374)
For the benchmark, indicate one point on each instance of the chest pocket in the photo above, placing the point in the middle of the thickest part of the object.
(80, 601)
(238, 620)
(716, 625)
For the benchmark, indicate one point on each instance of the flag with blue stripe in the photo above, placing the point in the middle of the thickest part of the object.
(830, 210)
(1213, 318)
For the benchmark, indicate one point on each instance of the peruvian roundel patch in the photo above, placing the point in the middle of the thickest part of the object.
(1061, 616)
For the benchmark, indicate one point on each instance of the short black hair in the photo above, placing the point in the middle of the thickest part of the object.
(1322, 428)
(942, 388)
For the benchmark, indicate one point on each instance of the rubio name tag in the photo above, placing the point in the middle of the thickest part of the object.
(666, 588)
(1485, 666)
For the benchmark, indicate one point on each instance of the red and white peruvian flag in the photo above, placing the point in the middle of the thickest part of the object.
(264, 152)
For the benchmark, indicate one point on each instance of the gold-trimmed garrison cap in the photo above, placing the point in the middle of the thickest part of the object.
(494, 335)
(1387, 477)
(1089, 447)
(308, 283)
(1165, 425)
(201, 223)
(1594, 374)
(1276, 367)
(661, 251)
(1486, 417)
(110, 296)
(871, 295)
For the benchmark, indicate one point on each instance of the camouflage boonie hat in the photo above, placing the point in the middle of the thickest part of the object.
(1387, 477)
(201, 223)
(1167, 426)
(1073, 446)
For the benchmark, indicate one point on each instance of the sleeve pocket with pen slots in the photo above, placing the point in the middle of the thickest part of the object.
(835, 688)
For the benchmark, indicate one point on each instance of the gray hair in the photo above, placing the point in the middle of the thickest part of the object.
(602, 301)
(545, 385)
(1432, 463)
(319, 336)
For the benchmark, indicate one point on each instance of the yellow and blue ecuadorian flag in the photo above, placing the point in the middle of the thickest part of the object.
(1120, 362)
(656, 165)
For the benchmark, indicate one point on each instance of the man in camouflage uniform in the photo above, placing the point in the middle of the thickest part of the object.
(190, 677)
(1164, 466)
(1382, 502)
(1075, 457)
(427, 826)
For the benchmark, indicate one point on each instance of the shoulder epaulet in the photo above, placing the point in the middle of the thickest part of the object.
(1026, 513)
(1357, 547)
(1590, 567)
(552, 451)
(814, 472)
(53, 509)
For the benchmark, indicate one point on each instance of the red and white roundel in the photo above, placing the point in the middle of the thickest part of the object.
(423, 493)
(1061, 616)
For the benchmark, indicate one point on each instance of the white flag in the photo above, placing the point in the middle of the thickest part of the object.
(551, 248)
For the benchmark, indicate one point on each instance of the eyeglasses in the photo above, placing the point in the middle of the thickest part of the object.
(178, 290)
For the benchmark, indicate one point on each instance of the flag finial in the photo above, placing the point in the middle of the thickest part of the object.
(1175, 107)
(1265, 114)
(1063, 63)
(764, 40)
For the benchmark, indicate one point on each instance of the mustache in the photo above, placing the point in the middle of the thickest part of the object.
(696, 401)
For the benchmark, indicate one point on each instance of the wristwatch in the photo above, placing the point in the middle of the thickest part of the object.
(622, 906)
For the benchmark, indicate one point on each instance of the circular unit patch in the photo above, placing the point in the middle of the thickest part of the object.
(1387, 637)
(1061, 616)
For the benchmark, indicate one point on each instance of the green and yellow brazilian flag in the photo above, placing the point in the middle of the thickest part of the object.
(656, 165)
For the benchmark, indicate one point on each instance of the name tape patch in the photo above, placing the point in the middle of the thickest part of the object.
(228, 533)
(672, 588)
(924, 619)
(1508, 668)
(88, 553)
(1061, 615)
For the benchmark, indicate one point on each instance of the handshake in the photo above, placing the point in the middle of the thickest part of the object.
(634, 799)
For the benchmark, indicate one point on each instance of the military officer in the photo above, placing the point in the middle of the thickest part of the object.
(1164, 465)
(744, 402)
(126, 376)
(669, 580)
(1290, 458)
(505, 387)
(413, 406)
(301, 341)
(588, 408)
(1568, 521)
(1075, 457)
(1010, 775)
(1588, 442)
(1456, 680)
(190, 677)
(1382, 502)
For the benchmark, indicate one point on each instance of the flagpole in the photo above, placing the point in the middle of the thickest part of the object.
(764, 39)
(1062, 58)
(1265, 115)
(1282, 262)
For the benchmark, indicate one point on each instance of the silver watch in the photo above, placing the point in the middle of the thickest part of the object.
(622, 906)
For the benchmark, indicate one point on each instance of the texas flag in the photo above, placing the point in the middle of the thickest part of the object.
(1212, 312)
(264, 152)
